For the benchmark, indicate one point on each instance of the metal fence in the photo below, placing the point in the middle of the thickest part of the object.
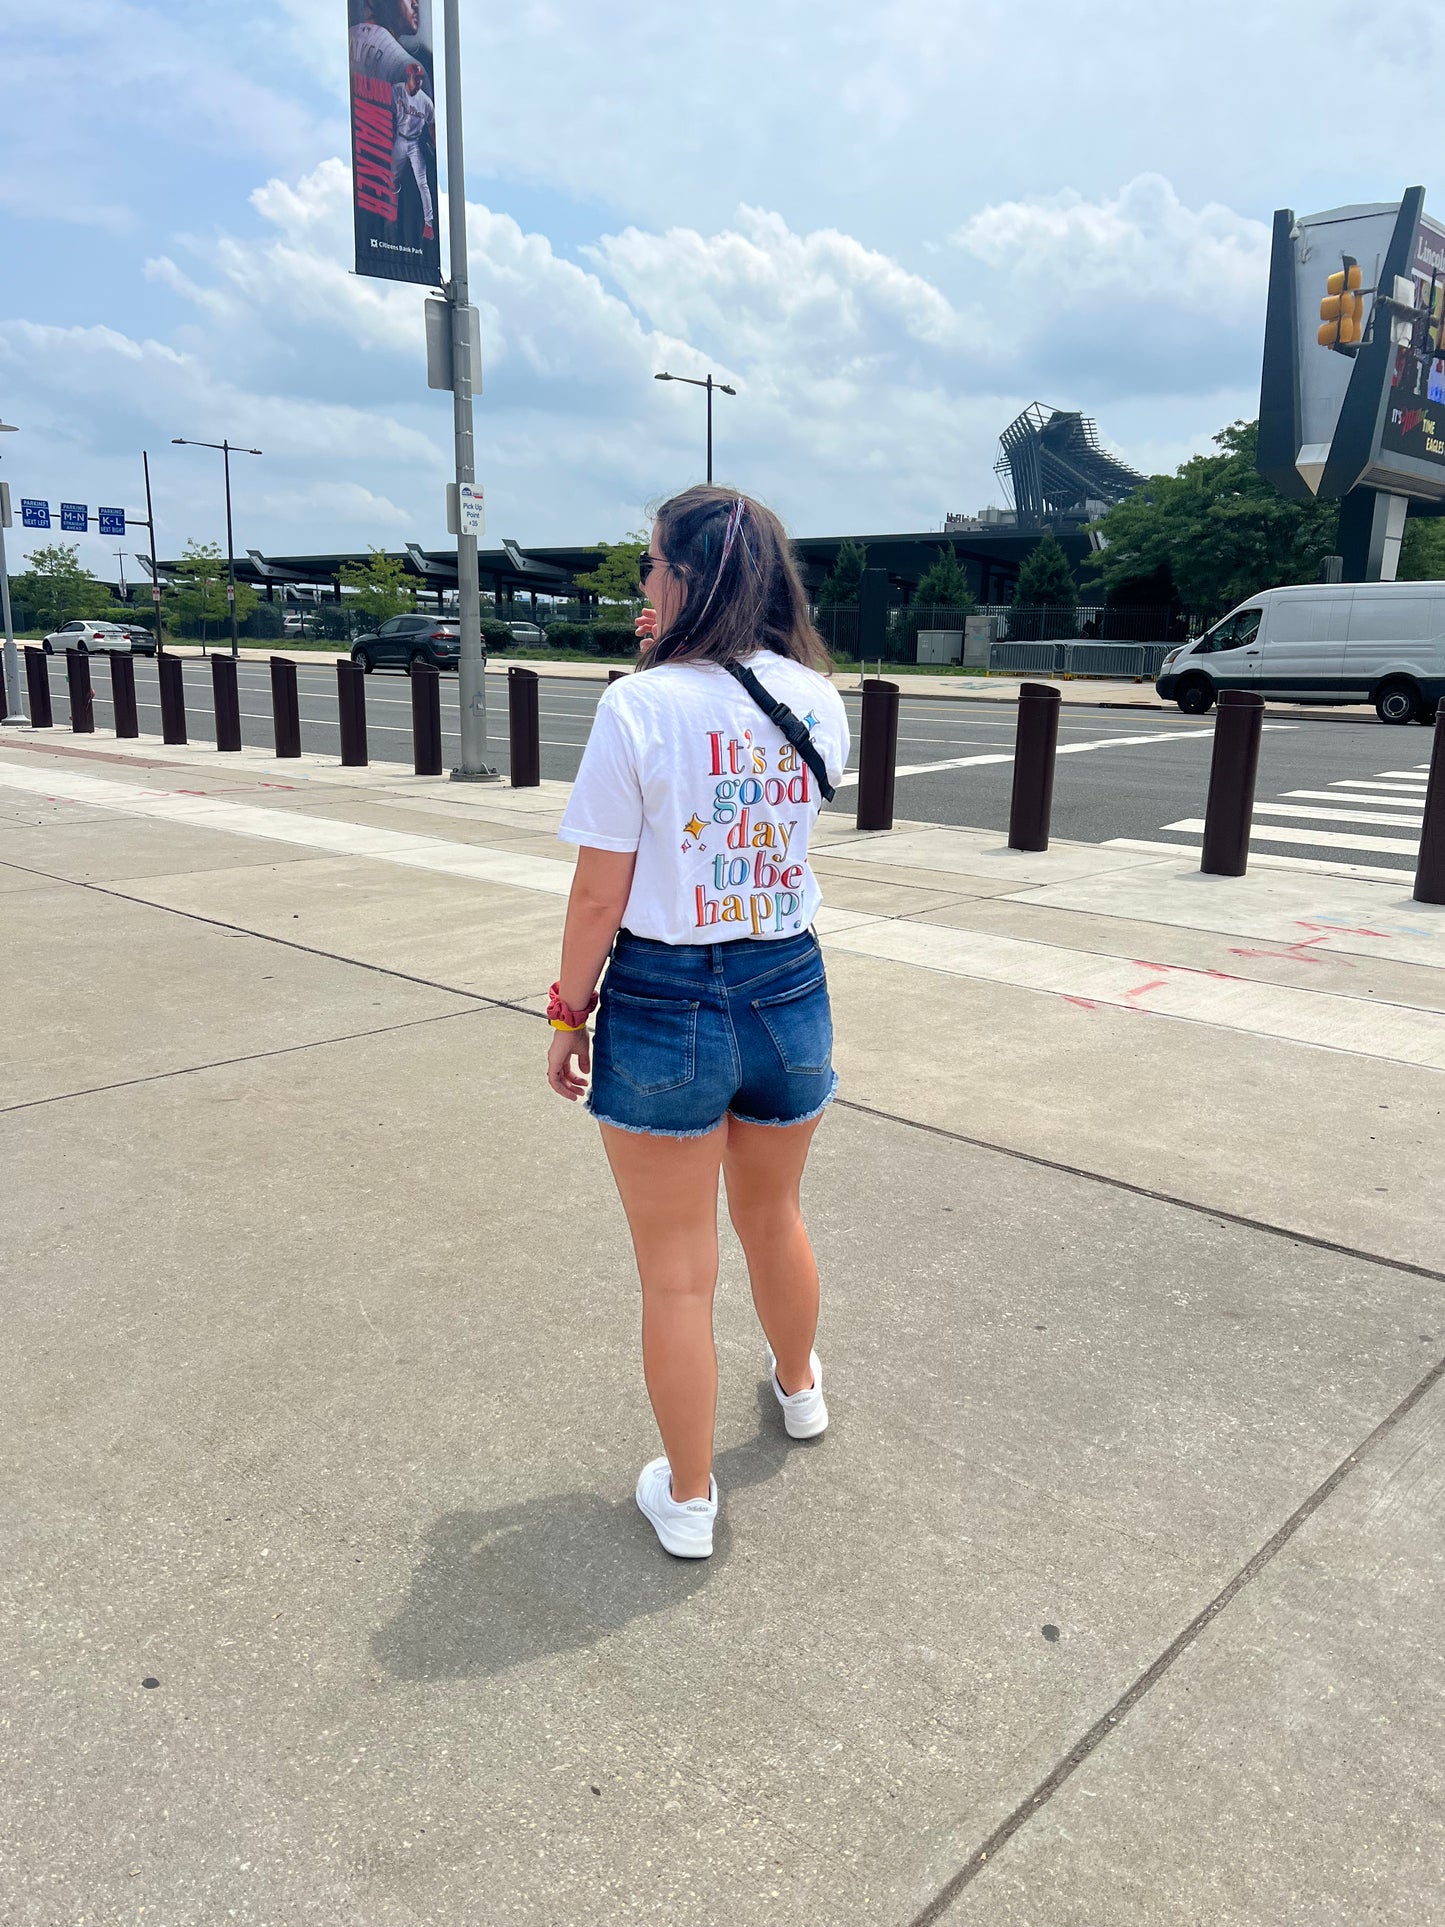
(1135, 661)
(1118, 631)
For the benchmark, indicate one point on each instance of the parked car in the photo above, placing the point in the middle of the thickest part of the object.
(89, 638)
(142, 640)
(293, 624)
(403, 640)
(1346, 642)
(530, 634)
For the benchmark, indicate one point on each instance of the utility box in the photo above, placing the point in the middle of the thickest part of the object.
(980, 633)
(940, 645)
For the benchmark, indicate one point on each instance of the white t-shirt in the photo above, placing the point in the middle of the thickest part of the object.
(683, 767)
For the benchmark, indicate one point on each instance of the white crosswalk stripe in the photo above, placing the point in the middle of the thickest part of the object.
(1362, 809)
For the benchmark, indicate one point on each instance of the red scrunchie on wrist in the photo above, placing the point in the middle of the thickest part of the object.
(560, 1013)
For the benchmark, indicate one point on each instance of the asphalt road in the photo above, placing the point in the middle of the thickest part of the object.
(1345, 791)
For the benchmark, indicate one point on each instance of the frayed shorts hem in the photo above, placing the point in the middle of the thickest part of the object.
(768, 1123)
(651, 1130)
(782, 1123)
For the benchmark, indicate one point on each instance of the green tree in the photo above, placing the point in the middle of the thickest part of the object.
(944, 584)
(195, 604)
(840, 586)
(56, 589)
(1422, 553)
(382, 589)
(616, 579)
(1046, 581)
(1223, 530)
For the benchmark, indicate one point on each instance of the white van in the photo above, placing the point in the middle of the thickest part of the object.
(1330, 642)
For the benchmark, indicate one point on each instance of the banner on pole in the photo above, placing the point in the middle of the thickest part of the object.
(393, 140)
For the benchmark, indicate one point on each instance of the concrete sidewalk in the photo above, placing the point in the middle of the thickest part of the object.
(1111, 1595)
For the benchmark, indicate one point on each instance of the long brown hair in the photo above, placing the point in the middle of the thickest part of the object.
(743, 590)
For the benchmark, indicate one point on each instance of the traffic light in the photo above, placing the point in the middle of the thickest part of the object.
(1342, 312)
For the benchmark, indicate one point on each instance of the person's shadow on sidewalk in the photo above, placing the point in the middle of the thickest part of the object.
(497, 1588)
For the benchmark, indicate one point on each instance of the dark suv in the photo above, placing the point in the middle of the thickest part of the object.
(403, 640)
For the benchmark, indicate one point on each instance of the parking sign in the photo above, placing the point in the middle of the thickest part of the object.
(75, 517)
(112, 521)
(33, 514)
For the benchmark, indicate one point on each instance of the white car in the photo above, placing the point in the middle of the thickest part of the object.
(90, 638)
(529, 634)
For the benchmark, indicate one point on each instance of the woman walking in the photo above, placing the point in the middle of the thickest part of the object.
(693, 807)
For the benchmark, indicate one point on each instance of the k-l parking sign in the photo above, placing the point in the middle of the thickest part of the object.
(112, 521)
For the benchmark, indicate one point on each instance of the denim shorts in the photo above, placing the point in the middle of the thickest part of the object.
(690, 1033)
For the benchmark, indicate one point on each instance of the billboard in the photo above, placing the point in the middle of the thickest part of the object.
(1353, 386)
(393, 140)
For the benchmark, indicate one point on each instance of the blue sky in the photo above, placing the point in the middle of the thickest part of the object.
(890, 227)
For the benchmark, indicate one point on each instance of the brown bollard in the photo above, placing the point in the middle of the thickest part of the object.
(1035, 745)
(226, 702)
(1230, 810)
(122, 696)
(37, 683)
(877, 754)
(426, 719)
(82, 697)
(173, 699)
(351, 713)
(526, 728)
(285, 707)
(1430, 870)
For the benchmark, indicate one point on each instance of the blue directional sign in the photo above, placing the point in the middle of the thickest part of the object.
(34, 515)
(112, 521)
(75, 517)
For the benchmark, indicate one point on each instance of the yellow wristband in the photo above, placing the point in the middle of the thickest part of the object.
(557, 1024)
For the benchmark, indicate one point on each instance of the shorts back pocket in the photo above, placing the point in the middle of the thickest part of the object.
(649, 1042)
(800, 1023)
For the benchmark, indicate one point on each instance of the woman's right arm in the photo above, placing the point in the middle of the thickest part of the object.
(600, 888)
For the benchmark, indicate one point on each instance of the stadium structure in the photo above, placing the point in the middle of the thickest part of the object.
(1054, 471)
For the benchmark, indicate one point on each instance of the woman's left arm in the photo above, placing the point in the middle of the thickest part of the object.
(600, 888)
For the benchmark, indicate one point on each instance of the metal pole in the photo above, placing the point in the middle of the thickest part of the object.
(1035, 745)
(471, 666)
(155, 576)
(230, 548)
(1233, 768)
(709, 425)
(15, 716)
(1430, 869)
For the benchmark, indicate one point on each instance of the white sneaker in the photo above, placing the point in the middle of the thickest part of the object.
(804, 1413)
(685, 1530)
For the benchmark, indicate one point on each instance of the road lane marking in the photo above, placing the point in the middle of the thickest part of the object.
(1321, 839)
(1267, 860)
(1340, 816)
(1401, 799)
(1065, 749)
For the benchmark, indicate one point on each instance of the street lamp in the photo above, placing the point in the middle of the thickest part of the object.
(692, 382)
(14, 702)
(227, 450)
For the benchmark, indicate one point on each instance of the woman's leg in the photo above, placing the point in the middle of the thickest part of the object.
(668, 1188)
(763, 1167)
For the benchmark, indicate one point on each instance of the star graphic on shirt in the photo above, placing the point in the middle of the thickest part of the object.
(811, 720)
(696, 826)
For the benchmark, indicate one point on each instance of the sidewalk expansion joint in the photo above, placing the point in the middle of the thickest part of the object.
(1214, 1211)
(284, 943)
(247, 1057)
(1109, 1722)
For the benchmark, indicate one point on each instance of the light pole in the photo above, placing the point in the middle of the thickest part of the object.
(692, 382)
(15, 716)
(227, 450)
(471, 669)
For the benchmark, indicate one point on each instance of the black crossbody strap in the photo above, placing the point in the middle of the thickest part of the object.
(793, 727)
